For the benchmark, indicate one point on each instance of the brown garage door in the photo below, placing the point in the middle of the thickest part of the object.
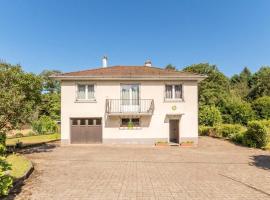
(86, 130)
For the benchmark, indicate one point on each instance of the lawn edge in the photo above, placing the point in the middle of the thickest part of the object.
(17, 182)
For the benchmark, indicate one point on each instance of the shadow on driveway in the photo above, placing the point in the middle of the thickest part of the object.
(261, 161)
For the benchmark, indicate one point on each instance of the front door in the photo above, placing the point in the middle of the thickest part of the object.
(129, 98)
(174, 130)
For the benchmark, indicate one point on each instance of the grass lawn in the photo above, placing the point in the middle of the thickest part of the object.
(19, 165)
(33, 139)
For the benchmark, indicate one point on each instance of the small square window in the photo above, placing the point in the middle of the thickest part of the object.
(74, 122)
(83, 122)
(136, 122)
(90, 122)
(124, 122)
(98, 121)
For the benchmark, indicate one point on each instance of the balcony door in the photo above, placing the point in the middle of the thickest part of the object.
(130, 98)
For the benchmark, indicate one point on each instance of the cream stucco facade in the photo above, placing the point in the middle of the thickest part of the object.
(154, 127)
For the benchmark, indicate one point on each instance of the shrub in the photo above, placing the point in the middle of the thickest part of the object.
(237, 111)
(261, 106)
(44, 125)
(209, 116)
(237, 137)
(204, 130)
(209, 131)
(5, 179)
(228, 130)
(257, 134)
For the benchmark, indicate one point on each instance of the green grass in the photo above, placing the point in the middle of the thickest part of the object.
(33, 139)
(19, 165)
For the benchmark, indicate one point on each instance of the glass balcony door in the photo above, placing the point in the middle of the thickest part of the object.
(130, 98)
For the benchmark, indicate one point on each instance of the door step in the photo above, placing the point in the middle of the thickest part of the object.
(173, 144)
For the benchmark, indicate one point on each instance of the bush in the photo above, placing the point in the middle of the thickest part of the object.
(209, 116)
(257, 134)
(261, 106)
(237, 137)
(228, 130)
(5, 179)
(209, 131)
(237, 111)
(44, 125)
(204, 130)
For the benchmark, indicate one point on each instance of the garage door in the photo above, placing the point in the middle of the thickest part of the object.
(86, 130)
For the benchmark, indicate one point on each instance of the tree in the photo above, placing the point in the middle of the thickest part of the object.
(50, 105)
(19, 97)
(261, 106)
(260, 84)
(50, 85)
(240, 84)
(170, 67)
(214, 88)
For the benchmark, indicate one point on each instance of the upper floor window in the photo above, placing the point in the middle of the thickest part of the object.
(173, 92)
(85, 92)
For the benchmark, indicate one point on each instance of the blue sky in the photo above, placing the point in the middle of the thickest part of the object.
(74, 35)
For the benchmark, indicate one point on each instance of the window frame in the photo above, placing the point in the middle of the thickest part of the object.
(173, 92)
(87, 99)
(130, 119)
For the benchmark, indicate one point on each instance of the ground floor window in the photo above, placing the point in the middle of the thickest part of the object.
(130, 122)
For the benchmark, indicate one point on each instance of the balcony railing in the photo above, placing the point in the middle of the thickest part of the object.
(129, 106)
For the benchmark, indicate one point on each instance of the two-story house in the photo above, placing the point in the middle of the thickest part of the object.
(129, 104)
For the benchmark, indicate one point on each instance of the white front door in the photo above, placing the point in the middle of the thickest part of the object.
(130, 98)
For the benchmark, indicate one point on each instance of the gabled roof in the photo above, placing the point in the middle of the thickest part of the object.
(129, 73)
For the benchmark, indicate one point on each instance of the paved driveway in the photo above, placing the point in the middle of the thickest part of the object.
(216, 169)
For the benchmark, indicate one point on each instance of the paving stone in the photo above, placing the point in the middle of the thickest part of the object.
(216, 169)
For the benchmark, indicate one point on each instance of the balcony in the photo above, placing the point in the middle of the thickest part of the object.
(129, 107)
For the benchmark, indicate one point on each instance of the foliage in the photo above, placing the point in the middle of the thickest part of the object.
(44, 125)
(261, 106)
(205, 130)
(50, 105)
(170, 67)
(50, 85)
(240, 84)
(50, 99)
(229, 130)
(236, 110)
(5, 179)
(257, 134)
(260, 84)
(233, 132)
(19, 97)
(209, 116)
(2, 143)
(237, 137)
(20, 165)
(214, 88)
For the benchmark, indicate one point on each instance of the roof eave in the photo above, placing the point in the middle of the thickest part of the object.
(195, 78)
